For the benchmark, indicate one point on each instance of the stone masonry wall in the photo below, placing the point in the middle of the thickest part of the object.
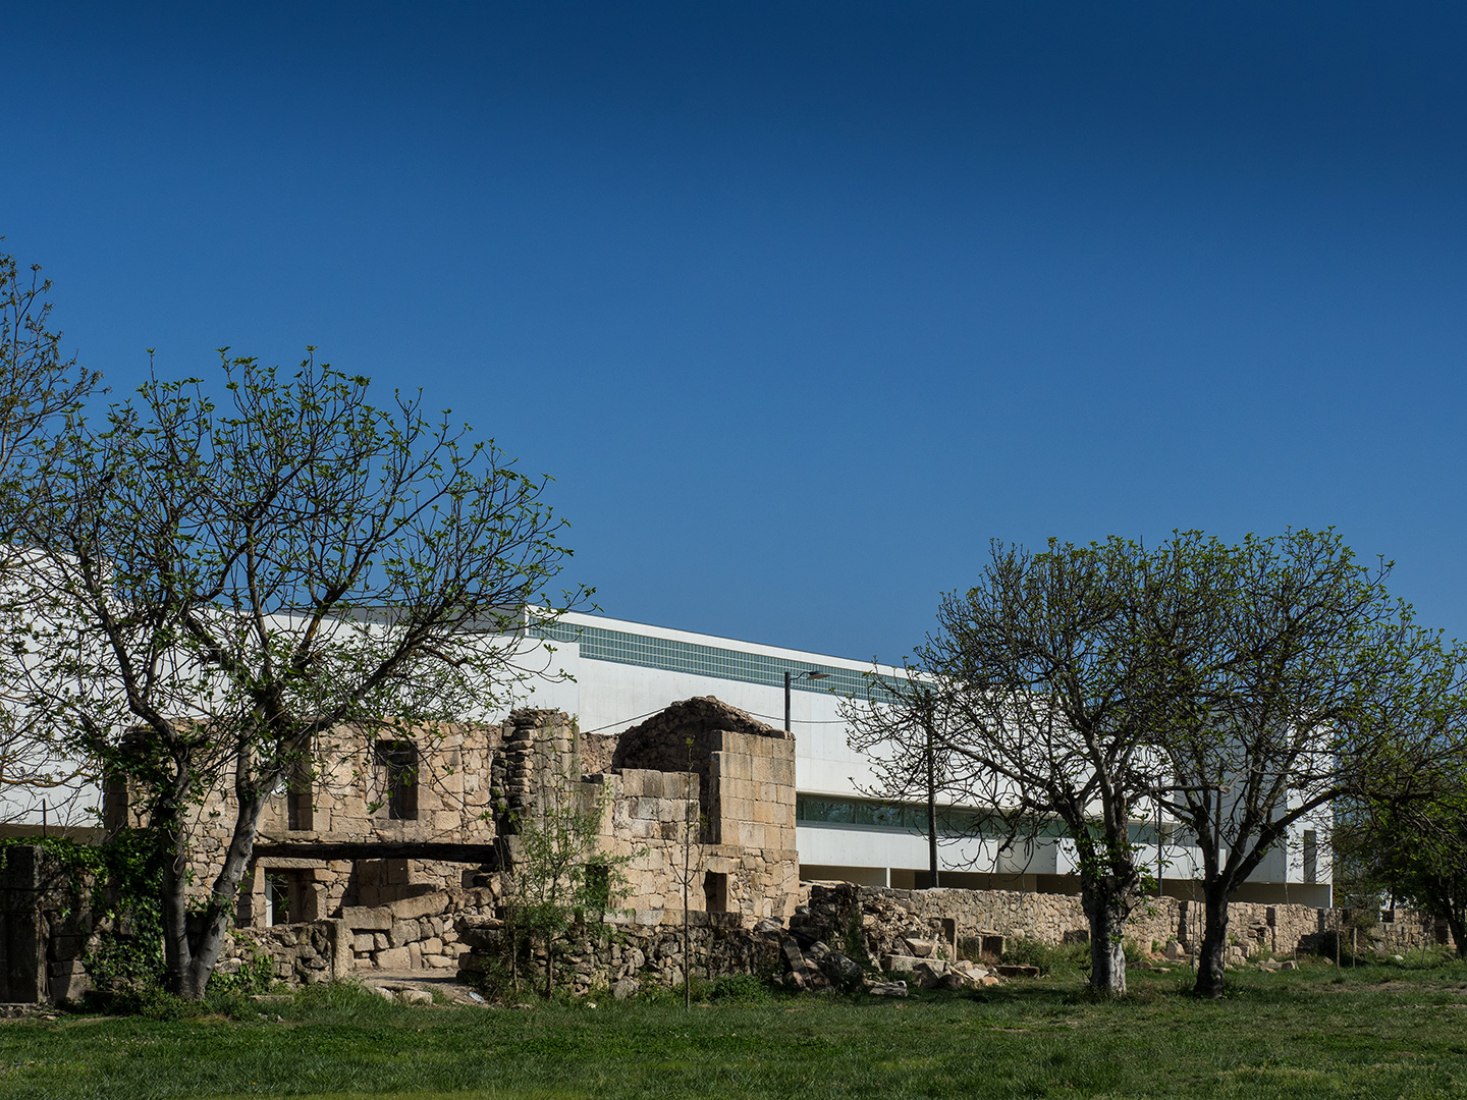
(416, 933)
(642, 954)
(459, 931)
(341, 792)
(1059, 918)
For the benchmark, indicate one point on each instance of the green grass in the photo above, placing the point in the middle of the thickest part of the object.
(1376, 1032)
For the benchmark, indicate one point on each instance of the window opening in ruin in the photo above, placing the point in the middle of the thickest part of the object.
(715, 892)
(399, 763)
(1311, 856)
(114, 803)
(277, 898)
(290, 896)
(299, 807)
(598, 888)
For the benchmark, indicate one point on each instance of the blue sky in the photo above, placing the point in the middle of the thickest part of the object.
(802, 304)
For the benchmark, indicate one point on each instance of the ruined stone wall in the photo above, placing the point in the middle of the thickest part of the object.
(734, 844)
(638, 955)
(720, 814)
(416, 933)
(419, 933)
(597, 751)
(660, 743)
(1058, 918)
(732, 791)
(459, 931)
(686, 736)
(342, 792)
(45, 924)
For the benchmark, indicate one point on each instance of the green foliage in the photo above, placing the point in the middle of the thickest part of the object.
(1069, 958)
(255, 976)
(559, 880)
(737, 989)
(853, 940)
(1406, 834)
(118, 882)
(126, 967)
(202, 553)
(78, 865)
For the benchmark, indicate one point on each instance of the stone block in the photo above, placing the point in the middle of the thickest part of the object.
(404, 932)
(420, 905)
(904, 963)
(735, 766)
(1014, 970)
(394, 958)
(69, 981)
(887, 989)
(363, 919)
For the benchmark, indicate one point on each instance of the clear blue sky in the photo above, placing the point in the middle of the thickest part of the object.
(802, 304)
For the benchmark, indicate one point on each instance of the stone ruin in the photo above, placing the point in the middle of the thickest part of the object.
(380, 850)
(389, 855)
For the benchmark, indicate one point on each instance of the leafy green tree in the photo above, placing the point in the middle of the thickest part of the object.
(1405, 833)
(1243, 688)
(1291, 678)
(231, 577)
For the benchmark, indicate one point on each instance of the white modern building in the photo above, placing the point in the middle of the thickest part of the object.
(610, 674)
(619, 672)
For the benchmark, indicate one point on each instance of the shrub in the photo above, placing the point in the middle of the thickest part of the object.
(739, 989)
(1047, 957)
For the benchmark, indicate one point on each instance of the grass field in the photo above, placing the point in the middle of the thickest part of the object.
(1378, 1031)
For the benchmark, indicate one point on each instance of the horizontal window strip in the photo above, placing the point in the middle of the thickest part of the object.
(952, 821)
(670, 655)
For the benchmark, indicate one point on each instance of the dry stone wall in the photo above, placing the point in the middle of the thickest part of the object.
(972, 918)
(417, 933)
(630, 957)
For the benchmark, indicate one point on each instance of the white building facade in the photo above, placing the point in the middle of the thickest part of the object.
(610, 674)
(619, 672)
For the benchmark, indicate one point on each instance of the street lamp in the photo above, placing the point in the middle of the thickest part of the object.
(790, 678)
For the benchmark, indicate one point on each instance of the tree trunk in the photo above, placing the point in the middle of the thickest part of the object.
(1213, 956)
(1457, 924)
(191, 945)
(1107, 907)
(173, 905)
(214, 921)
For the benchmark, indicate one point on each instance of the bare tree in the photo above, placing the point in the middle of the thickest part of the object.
(906, 710)
(1043, 683)
(236, 575)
